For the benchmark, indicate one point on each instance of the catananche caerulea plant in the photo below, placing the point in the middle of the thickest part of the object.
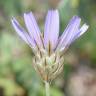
(49, 46)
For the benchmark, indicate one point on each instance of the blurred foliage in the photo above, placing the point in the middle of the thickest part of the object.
(17, 76)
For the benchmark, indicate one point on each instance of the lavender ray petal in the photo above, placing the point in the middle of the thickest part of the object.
(69, 32)
(32, 27)
(81, 31)
(51, 30)
(21, 32)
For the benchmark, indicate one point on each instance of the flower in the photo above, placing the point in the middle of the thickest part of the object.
(48, 47)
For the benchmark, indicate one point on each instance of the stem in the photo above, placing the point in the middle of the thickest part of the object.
(47, 87)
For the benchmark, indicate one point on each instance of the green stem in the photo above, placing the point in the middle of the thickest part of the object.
(47, 87)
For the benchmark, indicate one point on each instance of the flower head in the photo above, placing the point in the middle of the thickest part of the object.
(48, 46)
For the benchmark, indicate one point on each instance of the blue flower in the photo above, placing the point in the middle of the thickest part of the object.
(48, 46)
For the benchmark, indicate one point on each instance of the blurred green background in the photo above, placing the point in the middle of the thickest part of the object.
(17, 76)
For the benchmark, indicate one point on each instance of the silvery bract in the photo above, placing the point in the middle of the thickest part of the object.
(48, 46)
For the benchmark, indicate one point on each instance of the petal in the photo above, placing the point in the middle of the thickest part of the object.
(69, 32)
(21, 32)
(83, 29)
(32, 27)
(51, 30)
